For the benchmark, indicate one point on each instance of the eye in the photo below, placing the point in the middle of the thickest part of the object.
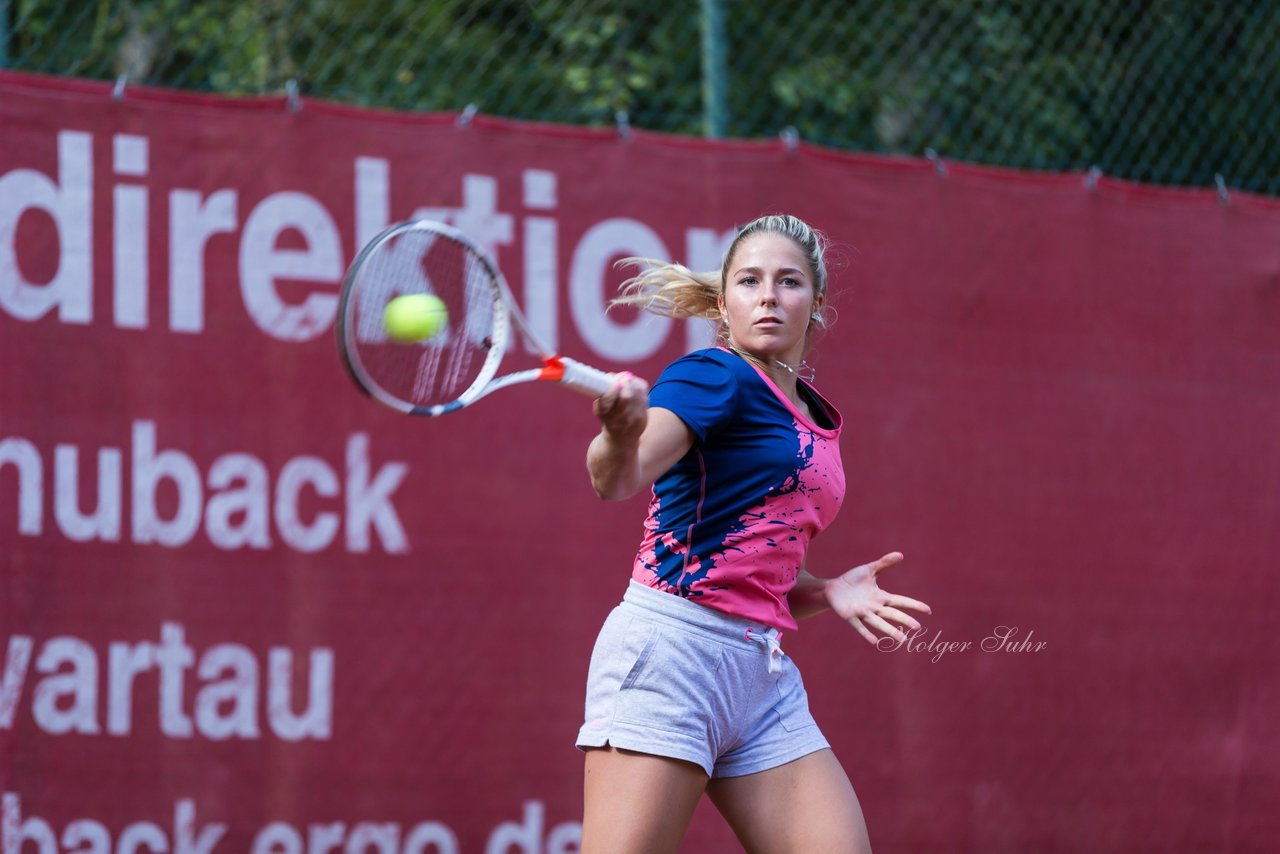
(747, 280)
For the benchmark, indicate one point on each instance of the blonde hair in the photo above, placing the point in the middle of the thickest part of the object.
(673, 290)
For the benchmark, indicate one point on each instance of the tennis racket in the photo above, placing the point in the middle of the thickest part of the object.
(459, 364)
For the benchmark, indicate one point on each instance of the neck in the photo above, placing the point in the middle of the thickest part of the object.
(784, 374)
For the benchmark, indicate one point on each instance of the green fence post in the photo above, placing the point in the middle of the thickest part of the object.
(4, 33)
(714, 76)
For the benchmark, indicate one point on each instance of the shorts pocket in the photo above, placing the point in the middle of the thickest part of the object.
(638, 643)
(672, 685)
(792, 707)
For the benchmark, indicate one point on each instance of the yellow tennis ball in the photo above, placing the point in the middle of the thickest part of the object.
(416, 317)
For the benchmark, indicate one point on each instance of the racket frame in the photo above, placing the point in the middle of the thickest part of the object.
(570, 372)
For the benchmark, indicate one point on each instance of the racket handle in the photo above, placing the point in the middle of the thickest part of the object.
(584, 378)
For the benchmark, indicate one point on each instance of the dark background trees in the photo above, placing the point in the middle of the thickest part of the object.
(1169, 92)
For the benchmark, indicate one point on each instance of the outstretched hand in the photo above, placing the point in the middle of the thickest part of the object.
(856, 596)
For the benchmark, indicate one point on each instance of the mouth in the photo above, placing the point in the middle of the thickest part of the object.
(768, 320)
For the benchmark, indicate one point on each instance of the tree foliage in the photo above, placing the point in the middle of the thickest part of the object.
(1169, 92)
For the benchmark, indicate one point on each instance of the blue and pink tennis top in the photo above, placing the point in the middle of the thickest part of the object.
(729, 524)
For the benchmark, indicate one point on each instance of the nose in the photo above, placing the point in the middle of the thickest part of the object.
(768, 295)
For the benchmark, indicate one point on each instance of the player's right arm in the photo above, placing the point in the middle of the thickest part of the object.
(636, 443)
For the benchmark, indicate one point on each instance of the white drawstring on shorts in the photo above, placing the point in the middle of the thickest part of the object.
(772, 643)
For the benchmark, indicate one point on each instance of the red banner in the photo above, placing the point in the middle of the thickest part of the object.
(245, 609)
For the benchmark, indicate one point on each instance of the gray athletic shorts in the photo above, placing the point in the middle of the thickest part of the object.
(673, 678)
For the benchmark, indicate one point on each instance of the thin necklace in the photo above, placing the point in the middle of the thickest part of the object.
(802, 371)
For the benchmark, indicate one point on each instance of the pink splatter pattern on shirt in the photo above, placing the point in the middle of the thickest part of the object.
(764, 551)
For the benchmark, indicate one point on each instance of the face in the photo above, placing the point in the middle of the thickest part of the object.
(769, 297)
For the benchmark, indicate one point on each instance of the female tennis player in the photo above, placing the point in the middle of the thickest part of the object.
(689, 690)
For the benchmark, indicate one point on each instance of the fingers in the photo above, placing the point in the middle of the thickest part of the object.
(631, 397)
(890, 613)
(888, 620)
(896, 601)
(864, 631)
(630, 391)
(623, 409)
(607, 401)
(626, 387)
(877, 622)
(889, 560)
(625, 384)
(866, 623)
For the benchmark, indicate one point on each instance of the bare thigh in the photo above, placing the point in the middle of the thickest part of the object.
(635, 802)
(804, 806)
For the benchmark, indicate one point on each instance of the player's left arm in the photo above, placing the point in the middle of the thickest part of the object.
(806, 598)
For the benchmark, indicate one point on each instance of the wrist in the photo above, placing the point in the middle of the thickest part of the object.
(822, 591)
(809, 596)
(617, 442)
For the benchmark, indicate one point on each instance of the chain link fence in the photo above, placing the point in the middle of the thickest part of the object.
(1164, 91)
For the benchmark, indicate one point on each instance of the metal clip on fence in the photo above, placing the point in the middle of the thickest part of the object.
(117, 94)
(624, 124)
(468, 113)
(1223, 196)
(1091, 178)
(790, 137)
(291, 95)
(936, 159)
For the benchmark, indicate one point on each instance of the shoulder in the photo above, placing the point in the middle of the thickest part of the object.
(700, 387)
(705, 356)
(711, 363)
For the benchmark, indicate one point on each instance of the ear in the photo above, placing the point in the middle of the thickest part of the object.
(818, 302)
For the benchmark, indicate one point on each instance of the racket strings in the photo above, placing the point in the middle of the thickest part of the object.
(424, 379)
(441, 368)
(476, 326)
